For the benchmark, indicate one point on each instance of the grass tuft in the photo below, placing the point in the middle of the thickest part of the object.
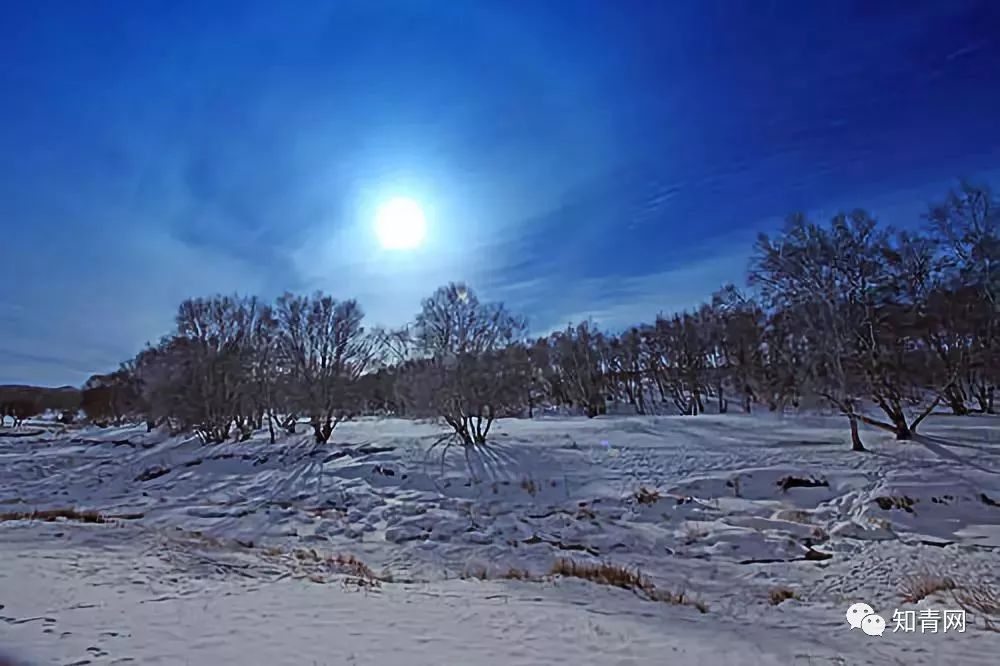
(646, 496)
(50, 515)
(477, 573)
(789, 482)
(888, 503)
(779, 594)
(318, 566)
(981, 601)
(518, 574)
(919, 586)
(624, 578)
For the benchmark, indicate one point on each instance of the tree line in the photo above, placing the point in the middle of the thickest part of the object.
(847, 314)
(19, 402)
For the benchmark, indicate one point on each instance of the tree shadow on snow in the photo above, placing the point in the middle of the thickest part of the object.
(940, 446)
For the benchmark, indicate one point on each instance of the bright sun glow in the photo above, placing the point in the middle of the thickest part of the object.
(400, 224)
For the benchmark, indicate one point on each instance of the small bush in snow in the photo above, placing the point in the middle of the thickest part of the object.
(916, 587)
(981, 600)
(646, 496)
(780, 594)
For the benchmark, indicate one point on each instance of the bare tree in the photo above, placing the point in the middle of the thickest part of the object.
(578, 356)
(265, 369)
(739, 341)
(966, 228)
(471, 372)
(206, 376)
(325, 350)
(779, 379)
(215, 337)
(837, 287)
(110, 399)
(627, 374)
(680, 348)
(453, 322)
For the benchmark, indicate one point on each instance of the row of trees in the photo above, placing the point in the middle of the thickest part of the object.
(847, 314)
(21, 403)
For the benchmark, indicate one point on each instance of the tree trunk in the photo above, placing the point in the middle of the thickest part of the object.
(925, 414)
(856, 444)
(321, 431)
(956, 401)
(985, 399)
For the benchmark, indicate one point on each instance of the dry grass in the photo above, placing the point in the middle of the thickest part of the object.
(50, 515)
(318, 567)
(794, 516)
(819, 534)
(790, 482)
(152, 473)
(678, 599)
(518, 574)
(888, 503)
(477, 573)
(513, 573)
(813, 555)
(646, 496)
(621, 577)
(918, 586)
(694, 532)
(980, 601)
(352, 565)
(602, 574)
(779, 594)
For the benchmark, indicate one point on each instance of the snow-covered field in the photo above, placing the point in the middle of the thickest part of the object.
(221, 554)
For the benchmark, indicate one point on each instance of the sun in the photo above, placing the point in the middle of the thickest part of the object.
(400, 224)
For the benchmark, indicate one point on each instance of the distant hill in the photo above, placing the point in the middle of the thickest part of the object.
(59, 398)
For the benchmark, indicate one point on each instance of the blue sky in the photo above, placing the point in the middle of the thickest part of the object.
(575, 158)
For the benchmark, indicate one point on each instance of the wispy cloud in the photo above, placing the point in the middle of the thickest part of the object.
(617, 301)
(94, 316)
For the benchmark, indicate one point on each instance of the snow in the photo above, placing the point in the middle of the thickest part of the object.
(205, 563)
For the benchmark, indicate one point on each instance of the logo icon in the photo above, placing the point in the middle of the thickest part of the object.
(931, 621)
(862, 615)
(873, 625)
(858, 612)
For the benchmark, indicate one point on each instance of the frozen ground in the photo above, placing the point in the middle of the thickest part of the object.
(210, 559)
